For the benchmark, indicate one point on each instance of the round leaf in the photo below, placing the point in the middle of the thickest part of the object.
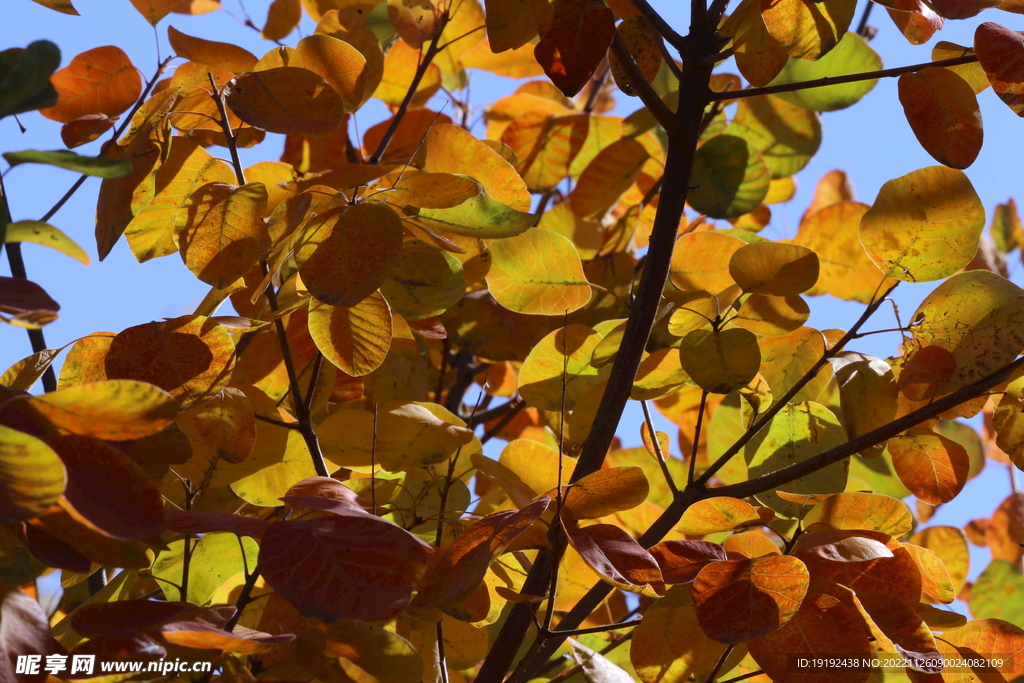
(355, 338)
(538, 272)
(563, 356)
(925, 225)
(32, 476)
(943, 112)
(286, 99)
(98, 81)
(720, 361)
(851, 56)
(730, 176)
(345, 254)
(774, 269)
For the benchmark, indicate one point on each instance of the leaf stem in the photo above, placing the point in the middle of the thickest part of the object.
(836, 80)
(657, 449)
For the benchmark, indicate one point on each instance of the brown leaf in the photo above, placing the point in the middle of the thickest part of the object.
(221, 55)
(351, 567)
(286, 99)
(741, 599)
(681, 561)
(202, 636)
(24, 629)
(606, 491)
(615, 555)
(575, 44)
(1001, 53)
(943, 112)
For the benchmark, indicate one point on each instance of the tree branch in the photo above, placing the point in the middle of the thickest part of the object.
(781, 402)
(836, 80)
(660, 25)
(662, 114)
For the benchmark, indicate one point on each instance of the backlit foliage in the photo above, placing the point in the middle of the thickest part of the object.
(298, 490)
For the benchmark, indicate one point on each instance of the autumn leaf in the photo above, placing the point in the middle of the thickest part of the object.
(570, 50)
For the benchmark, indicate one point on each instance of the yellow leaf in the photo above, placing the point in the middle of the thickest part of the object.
(712, 515)
(606, 177)
(925, 225)
(357, 338)
(538, 272)
(536, 465)
(700, 261)
(720, 361)
(340, 64)
(33, 476)
(517, 63)
(545, 146)
(155, 10)
(223, 234)
(833, 233)
(774, 269)
(209, 52)
(349, 24)
(400, 65)
(561, 356)
(345, 254)
(115, 409)
(37, 232)
(283, 17)
(408, 436)
(424, 282)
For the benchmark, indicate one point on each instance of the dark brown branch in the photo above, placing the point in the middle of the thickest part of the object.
(766, 417)
(657, 449)
(836, 80)
(493, 413)
(396, 120)
(696, 437)
(596, 629)
(503, 422)
(801, 469)
(278, 423)
(662, 114)
(720, 664)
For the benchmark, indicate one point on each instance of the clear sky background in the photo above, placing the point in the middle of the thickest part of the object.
(871, 141)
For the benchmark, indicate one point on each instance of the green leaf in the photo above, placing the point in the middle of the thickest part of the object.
(25, 78)
(731, 177)
(45, 234)
(32, 476)
(785, 134)
(798, 432)
(538, 272)
(101, 167)
(924, 225)
(999, 593)
(479, 216)
(424, 282)
(720, 361)
(851, 56)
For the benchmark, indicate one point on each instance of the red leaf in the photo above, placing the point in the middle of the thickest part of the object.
(1001, 53)
(943, 112)
(323, 493)
(572, 49)
(615, 555)
(681, 561)
(343, 567)
(188, 522)
(133, 616)
(54, 552)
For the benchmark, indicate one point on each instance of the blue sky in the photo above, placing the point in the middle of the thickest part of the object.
(871, 141)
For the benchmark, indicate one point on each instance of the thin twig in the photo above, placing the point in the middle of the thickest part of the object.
(720, 664)
(660, 25)
(276, 422)
(442, 662)
(503, 422)
(696, 438)
(596, 629)
(862, 27)
(836, 80)
(657, 449)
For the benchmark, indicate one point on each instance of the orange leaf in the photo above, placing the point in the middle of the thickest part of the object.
(749, 544)
(345, 254)
(114, 409)
(202, 636)
(933, 467)
(742, 599)
(224, 234)
(1001, 53)
(936, 583)
(606, 491)
(155, 10)
(85, 129)
(642, 43)
(400, 64)
(943, 112)
(863, 511)
(209, 52)
(460, 570)
(408, 137)
(283, 17)
(917, 26)
(827, 623)
(286, 99)
(545, 146)
(606, 177)
(806, 29)
(576, 42)
(190, 357)
(98, 81)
